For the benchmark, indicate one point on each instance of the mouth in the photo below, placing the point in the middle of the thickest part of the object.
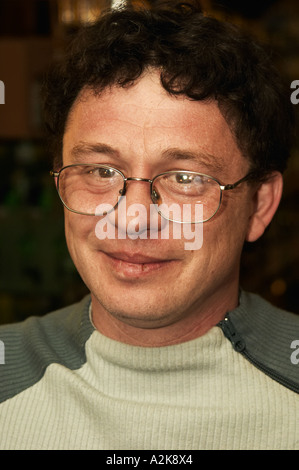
(136, 264)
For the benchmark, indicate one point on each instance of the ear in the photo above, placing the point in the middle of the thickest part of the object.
(266, 199)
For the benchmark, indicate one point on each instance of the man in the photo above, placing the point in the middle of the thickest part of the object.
(154, 110)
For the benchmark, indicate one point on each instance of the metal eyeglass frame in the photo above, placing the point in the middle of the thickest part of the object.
(122, 192)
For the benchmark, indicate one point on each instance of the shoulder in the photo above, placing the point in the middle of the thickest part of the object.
(29, 347)
(259, 317)
(269, 338)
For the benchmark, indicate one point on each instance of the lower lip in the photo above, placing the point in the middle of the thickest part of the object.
(133, 270)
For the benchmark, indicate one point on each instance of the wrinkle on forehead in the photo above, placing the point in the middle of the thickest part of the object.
(131, 107)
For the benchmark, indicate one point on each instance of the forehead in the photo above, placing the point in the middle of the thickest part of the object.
(145, 104)
(144, 118)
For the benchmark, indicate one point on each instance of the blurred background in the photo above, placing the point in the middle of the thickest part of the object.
(36, 272)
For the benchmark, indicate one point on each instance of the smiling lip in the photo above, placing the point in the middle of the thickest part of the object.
(135, 264)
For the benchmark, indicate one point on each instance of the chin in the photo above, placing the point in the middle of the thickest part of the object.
(140, 311)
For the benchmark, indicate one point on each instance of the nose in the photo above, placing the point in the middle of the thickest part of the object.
(135, 212)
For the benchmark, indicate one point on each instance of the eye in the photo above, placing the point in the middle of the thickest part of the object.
(183, 178)
(103, 172)
(188, 178)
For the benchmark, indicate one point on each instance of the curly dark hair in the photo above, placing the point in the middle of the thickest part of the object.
(198, 56)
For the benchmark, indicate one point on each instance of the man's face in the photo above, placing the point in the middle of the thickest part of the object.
(152, 283)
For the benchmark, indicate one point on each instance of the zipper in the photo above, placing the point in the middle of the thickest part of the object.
(230, 333)
(239, 345)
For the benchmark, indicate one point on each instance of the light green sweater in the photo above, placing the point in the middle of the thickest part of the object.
(65, 386)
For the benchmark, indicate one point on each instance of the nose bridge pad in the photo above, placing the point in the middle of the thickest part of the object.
(123, 190)
(162, 222)
(156, 198)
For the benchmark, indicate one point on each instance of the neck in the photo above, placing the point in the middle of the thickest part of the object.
(189, 326)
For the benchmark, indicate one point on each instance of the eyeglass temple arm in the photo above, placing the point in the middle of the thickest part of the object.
(234, 185)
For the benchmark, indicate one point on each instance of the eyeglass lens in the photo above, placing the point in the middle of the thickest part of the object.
(177, 194)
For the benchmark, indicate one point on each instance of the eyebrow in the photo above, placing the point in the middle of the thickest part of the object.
(84, 148)
(203, 158)
(172, 154)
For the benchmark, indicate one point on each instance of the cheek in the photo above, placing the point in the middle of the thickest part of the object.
(218, 259)
(78, 229)
(224, 236)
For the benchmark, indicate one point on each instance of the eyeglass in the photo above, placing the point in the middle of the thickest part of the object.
(83, 187)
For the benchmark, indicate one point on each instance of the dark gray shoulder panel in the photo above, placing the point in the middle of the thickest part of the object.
(29, 347)
(270, 336)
